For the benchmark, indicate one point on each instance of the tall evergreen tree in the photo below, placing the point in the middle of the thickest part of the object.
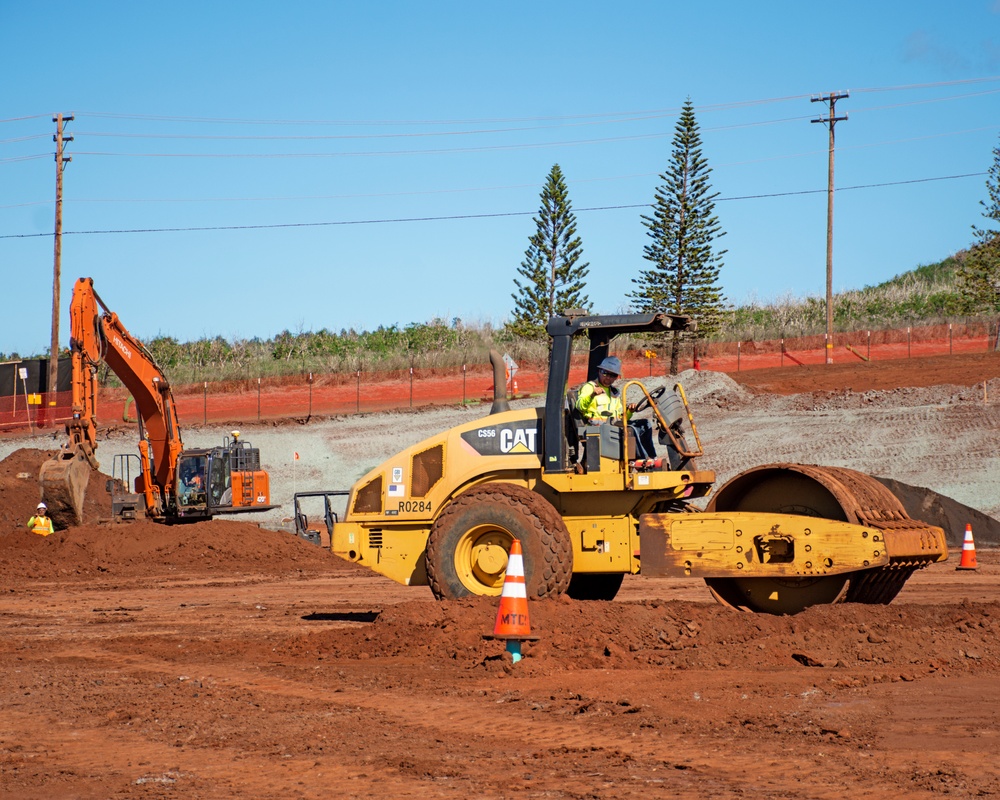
(552, 272)
(979, 274)
(684, 278)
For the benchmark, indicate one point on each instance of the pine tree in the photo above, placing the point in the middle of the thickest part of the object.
(552, 272)
(979, 274)
(684, 278)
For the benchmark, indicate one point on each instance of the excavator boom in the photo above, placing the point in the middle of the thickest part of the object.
(96, 335)
(173, 484)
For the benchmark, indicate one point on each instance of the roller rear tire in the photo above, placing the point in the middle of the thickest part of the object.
(468, 544)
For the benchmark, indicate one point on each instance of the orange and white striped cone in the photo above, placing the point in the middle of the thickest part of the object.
(512, 621)
(968, 560)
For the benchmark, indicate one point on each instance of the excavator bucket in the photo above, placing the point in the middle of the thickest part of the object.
(64, 479)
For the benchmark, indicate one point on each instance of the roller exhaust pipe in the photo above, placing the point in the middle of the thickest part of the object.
(500, 403)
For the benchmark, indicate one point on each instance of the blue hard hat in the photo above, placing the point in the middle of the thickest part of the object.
(612, 364)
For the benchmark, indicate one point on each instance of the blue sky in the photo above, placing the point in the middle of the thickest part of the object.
(364, 164)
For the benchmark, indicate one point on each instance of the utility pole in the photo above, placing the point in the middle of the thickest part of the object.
(830, 120)
(61, 161)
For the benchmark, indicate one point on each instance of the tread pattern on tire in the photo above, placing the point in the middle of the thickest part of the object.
(548, 578)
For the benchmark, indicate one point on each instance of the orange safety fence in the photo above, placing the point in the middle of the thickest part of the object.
(302, 397)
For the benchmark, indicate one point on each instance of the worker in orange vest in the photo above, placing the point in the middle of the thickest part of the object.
(41, 523)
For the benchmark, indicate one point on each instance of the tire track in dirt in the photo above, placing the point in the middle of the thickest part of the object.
(566, 728)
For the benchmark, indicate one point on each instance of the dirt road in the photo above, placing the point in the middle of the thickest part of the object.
(222, 660)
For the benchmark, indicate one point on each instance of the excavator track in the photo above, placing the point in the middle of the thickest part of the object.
(840, 494)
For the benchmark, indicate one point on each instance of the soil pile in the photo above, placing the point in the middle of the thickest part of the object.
(144, 549)
(658, 634)
(135, 549)
(20, 491)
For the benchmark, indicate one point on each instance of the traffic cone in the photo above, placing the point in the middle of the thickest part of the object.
(968, 551)
(512, 617)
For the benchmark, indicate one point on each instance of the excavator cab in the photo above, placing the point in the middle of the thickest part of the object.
(192, 483)
(203, 483)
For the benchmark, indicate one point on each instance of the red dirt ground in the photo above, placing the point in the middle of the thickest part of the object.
(219, 660)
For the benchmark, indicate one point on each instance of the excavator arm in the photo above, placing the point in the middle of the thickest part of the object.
(97, 334)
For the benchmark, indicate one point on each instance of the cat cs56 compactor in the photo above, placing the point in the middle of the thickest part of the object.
(164, 481)
(593, 503)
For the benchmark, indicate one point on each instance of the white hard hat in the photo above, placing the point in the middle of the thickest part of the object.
(611, 364)
(41, 507)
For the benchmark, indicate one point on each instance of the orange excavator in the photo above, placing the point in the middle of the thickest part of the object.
(170, 484)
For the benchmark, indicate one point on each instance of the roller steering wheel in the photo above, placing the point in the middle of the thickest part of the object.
(656, 394)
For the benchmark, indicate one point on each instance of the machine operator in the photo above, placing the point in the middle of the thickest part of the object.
(599, 400)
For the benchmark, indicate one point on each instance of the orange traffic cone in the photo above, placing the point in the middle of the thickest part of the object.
(512, 617)
(968, 551)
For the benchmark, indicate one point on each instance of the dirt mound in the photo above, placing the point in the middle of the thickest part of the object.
(134, 549)
(658, 634)
(20, 492)
(145, 549)
(936, 509)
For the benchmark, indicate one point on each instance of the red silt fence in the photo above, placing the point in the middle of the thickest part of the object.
(302, 397)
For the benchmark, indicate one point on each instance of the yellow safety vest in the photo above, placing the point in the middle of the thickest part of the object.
(599, 407)
(41, 525)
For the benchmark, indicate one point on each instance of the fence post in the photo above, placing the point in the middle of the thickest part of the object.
(463, 385)
(359, 391)
(782, 351)
(738, 349)
(411, 387)
(205, 398)
(869, 345)
(949, 338)
(258, 399)
(310, 396)
(907, 341)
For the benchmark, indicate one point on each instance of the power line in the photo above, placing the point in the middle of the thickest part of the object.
(494, 120)
(22, 119)
(959, 82)
(25, 138)
(384, 221)
(638, 117)
(366, 154)
(429, 151)
(15, 159)
(928, 100)
(580, 120)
